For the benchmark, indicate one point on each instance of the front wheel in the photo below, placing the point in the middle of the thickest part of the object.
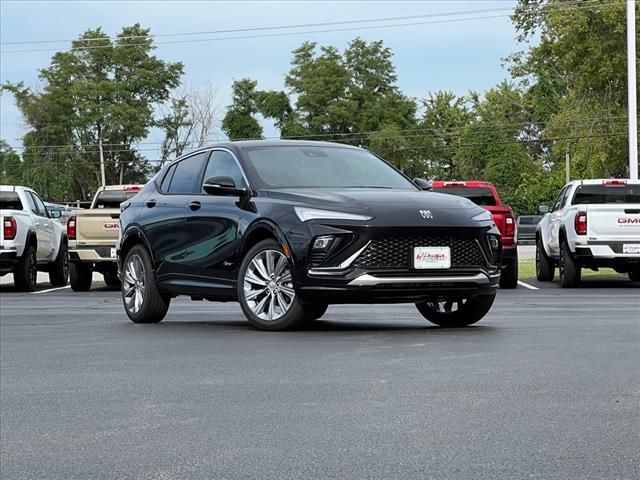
(59, 268)
(545, 269)
(142, 300)
(265, 289)
(459, 312)
(509, 275)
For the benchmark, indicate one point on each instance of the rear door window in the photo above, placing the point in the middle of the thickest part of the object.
(10, 201)
(187, 177)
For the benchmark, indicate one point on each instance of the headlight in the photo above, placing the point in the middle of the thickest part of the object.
(305, 214)
(484, 216)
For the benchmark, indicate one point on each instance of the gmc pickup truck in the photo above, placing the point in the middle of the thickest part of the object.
(592, 224)
(486, 196)
(93, 234)
(30, 239)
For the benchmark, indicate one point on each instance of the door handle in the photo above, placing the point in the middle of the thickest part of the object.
(151, 203)
(195, 205)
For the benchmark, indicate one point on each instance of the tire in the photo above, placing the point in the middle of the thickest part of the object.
(265, 286)
(80, 276)
(315, 311)
(111, 278)
(471, 311)
(634, 275)
(26, 272)
(142, 300)
(570, 271)
(59, 268)
(509, 275)
(545, 267)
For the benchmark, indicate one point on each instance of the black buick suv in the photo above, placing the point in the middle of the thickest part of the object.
(288, 227)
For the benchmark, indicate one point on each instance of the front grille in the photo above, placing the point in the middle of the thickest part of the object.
(316, 257)
(397, 252)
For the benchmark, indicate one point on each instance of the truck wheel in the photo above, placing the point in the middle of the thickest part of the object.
(569, 270)
(26, 273)
(59, 268)
(509, 275)
(545, 268)
(634, 275)
(80, 277)
(142, 300)
(457, 312)
(111, 278)
(265, 289)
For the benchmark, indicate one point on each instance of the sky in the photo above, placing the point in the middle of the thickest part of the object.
(458, 56)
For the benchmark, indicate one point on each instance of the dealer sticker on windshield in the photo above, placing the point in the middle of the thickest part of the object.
(631, 248)
(431, 257)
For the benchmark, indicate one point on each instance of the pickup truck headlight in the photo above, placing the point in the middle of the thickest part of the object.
(305, 214)
(484, 216)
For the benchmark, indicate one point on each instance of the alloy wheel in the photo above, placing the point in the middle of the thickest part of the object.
(447, 306)
(268, 286)
(133, 287)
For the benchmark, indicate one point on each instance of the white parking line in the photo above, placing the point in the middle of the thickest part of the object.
(52, 289)
(526, 285)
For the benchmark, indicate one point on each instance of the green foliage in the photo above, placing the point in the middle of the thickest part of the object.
(11, 167)
(240, 121)
(102, 90)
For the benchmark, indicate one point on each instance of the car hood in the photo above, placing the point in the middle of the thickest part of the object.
(387, 207)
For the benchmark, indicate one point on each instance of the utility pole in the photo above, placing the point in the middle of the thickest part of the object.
(631, 82)
(567, 167)
(104, 181)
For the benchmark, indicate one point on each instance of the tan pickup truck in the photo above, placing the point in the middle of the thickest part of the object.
(93, 234)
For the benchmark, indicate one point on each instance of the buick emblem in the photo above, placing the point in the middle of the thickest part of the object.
(426, 214)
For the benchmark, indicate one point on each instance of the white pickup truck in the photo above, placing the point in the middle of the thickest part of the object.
(592, 224)
(30, 239)
(93, 234)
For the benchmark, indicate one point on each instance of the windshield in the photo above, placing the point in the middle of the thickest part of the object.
(478, 195)
(595, 194)
(322, 167)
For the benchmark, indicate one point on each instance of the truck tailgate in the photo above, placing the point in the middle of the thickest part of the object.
(99, 226)
(614, 222)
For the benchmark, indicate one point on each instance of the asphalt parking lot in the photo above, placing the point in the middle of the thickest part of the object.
(547, 387)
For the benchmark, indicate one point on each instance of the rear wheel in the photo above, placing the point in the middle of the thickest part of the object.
(26, 272)
(111, 278)
(59, 268)
(457, 312)
(81, 277)
(265, 289)
(509, 275)
(545, 268)
(570, 271)
(142, 300)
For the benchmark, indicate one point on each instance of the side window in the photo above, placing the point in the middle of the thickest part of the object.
(223, 164)
(559, 198)
(40, 209)
(565, 197)
(186, 177)
(164, 186)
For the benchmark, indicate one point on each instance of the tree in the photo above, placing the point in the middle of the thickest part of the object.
(11, 167)
(97, 101)
(240, 122)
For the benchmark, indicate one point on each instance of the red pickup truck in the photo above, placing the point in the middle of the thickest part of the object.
(485, 195)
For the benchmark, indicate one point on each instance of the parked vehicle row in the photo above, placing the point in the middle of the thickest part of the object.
(30, 239)
(593, 224)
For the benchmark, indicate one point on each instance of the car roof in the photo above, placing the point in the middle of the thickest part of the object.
(246, 144)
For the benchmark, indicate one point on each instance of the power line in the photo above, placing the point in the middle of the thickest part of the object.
(435, 132)
(575, 6)
(421, 147)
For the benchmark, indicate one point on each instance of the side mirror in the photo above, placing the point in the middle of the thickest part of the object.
(223, 186)
(422, 183)
(543, 208)
(55, 213)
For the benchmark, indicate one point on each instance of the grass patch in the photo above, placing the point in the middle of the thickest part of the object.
(527, 269)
